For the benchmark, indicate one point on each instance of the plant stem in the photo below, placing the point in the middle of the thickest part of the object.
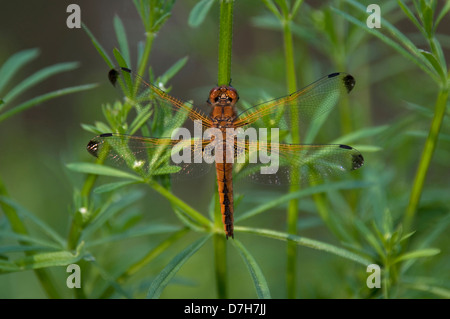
(220, 261)
(200, 220)
(225, 41)
(223, 78)
(150, 36)
(425, 159)
(292, 213)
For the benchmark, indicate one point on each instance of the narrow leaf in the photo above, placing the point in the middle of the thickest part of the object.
(262, 289)
(99, 47)
(136, 232)
(97, 169)
(122, 39)
(14, 63)
(306, 242)
(45, 97)
(112, 186)
(39, 76)
(427, 252)
(174, 69)
(42, 225)
(162, 280)
(199, 12)
(302, 193)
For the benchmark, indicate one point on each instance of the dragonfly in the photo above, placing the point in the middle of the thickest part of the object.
(224, 140)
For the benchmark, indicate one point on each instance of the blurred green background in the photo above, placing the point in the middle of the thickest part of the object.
(35, 145)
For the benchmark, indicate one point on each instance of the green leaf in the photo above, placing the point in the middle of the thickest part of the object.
(368, 235)
(301, 193)
(28, 239)
(199, 12)
(8, 266)
(97, 169)
(39, 76)
(427, 18)
(140, 120)
(273, 8)
(159, 23)
(122, 39)
(433, 289)
(164, 277)
(360, 134)
(306, 242)
(427, 252)
(413, 53)
(120, 59)
(434, 62)
(174, 69)
(22, 248)
(110, 207)
(187, 211)
(43, 260)
(262, 289)
(49, 231)
(45, 97)
(112, 186)
(99, 47)
(92, 129)
(14, 63)
(444, 11)
(143, 230)
(411, 16)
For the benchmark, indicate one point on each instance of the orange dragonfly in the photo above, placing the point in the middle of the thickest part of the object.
(279, 163)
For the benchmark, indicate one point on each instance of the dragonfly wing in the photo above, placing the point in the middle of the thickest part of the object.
(151, 156)
(286, 164)
(308, 103)
(167, 111)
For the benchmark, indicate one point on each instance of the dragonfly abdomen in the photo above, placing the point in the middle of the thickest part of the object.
(225, 185)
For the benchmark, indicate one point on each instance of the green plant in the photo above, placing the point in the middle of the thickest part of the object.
(34, 248)
(361, 221)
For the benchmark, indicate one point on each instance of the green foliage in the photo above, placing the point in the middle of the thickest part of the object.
(13, 65)
(380, 215)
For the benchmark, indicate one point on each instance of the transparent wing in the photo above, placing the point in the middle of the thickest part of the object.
(151, 156)
(285, 164)
(145, 96)
(306, 104)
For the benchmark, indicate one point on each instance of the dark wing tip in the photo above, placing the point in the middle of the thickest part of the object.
(349, 82)
(92, 147)
(112, 76)
(357, 161)
(357, 158)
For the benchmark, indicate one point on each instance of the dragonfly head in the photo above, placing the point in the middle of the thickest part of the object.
(223, 96)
